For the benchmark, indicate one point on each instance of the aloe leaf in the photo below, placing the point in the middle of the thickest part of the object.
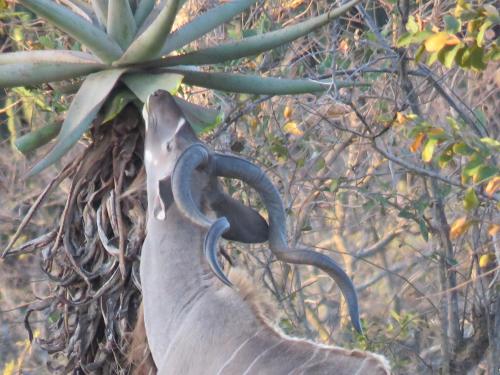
(121, 22)
(254, 84)
(148, 45)
(85, 106)
(256, 44)
(101, 11)
(49, 56)
(37, 138)
(35, 67)
(80, 8)
(151, 17)
(200, 118)
(144, 84)
(94, 38)
(159, 5)
(203, 24)
(143, 9)
(116, 103)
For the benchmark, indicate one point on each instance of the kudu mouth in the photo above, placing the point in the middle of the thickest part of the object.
(198, 156)
(160, 106)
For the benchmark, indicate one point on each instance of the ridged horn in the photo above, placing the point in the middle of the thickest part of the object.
(234, 167)
(195, 156)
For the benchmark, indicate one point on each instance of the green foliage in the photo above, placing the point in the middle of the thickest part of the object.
(474, 156)
(128, 41)
(37, 138)
(85, 106)
(121, 24)
(461, 38)
(143, 84)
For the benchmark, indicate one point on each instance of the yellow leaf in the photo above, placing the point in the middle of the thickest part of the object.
(401, 118)
(459, 227)
(417, 142)
(252, 121)
(293, 4)
(291, 127)
(493, 186)
(287, 112)
(494, 229)
(10, 368)
(486, 259)
(453, 40)
(428, 150)
(436, 42)
(458, 10)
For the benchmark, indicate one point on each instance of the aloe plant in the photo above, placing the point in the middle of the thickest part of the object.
(120, 46)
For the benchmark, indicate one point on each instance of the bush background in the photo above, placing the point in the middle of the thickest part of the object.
(353, 173)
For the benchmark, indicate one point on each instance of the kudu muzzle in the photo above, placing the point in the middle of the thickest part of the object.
(160, 111)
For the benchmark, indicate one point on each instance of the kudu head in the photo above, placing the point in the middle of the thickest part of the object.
(183, 171)
(167, 135)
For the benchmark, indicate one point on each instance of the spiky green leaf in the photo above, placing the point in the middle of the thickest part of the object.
(148, 45)
(200, 118)
(80, 8)
(33, 68)
(94, 38)
(256, 44)
(83, 109)
(101, 11)
(121, 22)
(116, 103)
(203, 24)
(143, 9)
(37, 138)
(253, 84)
(143, 84)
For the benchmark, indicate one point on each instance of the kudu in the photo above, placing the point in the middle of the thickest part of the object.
(196, 324)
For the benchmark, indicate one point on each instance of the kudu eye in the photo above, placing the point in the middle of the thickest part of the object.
(168, 146)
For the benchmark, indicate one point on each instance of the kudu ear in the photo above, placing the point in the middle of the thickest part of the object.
(163, 199)
(246, 224)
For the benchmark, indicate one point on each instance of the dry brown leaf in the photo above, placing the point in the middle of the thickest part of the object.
(493, 186)
(338, 109)
(401, 118)
(417, 142)
(494, 229)
(459, 227)
(344, 46)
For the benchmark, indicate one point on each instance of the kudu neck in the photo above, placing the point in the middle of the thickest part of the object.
(174, 276)
(176, 242)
